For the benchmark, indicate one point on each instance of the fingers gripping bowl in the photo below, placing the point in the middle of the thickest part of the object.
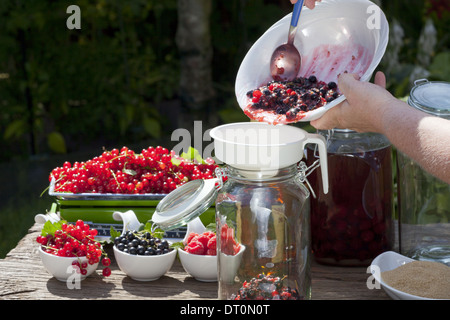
(337, 36)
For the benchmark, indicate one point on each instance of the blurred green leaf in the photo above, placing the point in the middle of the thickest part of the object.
(56, 142)
(152, 127)
(15, 129)
(440, 67)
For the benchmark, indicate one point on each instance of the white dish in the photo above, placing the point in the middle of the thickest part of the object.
(61, 267)
(202, 268)
(144, 268)
(337, 36)
(388, 261)
(140, 268)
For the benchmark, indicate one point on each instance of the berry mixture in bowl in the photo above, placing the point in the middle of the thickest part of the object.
(288, 101)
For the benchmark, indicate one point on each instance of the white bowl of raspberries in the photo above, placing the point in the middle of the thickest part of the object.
(199, 256)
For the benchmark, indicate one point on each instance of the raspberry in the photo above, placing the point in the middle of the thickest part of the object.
(209, 234)
(195, 247)
(204, 244)
(191, 236)
(212, 243)
(236, 248)
(202, 238)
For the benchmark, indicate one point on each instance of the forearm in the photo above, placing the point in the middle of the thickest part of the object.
(422, 137)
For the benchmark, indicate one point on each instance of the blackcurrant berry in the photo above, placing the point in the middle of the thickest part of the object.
(332, 85)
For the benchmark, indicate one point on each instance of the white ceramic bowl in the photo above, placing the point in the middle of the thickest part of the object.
(201, 267)
(144, 268)
(61, 267)
(388, 261)
(336, 36)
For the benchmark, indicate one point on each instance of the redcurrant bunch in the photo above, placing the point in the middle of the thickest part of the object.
(75, 240)
(154, 170)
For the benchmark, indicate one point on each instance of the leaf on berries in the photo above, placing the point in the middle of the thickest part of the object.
(177, 245)
(157, 233)
(211, 227)
(193, 155)
(50, 227)
(129, 172)
(176, 161)
(114, 233)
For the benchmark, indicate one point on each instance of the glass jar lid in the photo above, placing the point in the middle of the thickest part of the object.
(185, 203)
(432, 97)
(345, 141)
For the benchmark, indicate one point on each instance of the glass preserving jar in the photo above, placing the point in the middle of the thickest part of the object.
(264, 242)
(424, 200)
(262, 210)
(353, 223)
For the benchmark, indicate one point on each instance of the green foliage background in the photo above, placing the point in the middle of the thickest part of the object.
(63, 89)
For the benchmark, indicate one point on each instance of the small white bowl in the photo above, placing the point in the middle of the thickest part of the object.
(388, 261)
(144, 268)
(61, 267)
(201, 267)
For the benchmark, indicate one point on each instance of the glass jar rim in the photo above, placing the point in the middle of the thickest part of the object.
(262, 175)
(185, 203)
(432, 97)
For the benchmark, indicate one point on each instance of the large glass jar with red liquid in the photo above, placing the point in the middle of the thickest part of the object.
(353, 223)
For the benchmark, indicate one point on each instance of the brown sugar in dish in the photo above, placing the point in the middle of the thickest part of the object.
(420, 278)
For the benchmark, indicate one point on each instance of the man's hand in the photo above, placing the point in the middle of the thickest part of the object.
(362, 110)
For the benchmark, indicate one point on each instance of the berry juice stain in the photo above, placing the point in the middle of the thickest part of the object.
(352, 224)
(328, 61)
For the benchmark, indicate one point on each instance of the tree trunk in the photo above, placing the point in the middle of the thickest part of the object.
(193, 39)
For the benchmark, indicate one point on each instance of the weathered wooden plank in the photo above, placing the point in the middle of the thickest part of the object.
(22, 277)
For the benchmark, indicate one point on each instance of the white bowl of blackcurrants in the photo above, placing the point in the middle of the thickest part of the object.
(143, 257)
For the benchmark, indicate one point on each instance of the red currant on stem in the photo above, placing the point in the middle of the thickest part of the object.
(106, 261)
(74, 240)
(124, 171)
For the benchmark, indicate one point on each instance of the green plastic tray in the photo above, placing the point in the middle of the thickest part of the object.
(101, 212)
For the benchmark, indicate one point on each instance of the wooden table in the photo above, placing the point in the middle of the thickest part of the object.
(23, 277)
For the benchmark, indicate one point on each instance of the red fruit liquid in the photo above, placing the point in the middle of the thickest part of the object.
(353, 223)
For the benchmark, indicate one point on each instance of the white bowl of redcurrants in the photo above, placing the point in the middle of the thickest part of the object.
(199, 257)
(67, 268)
(142, 256)
(69, 252)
